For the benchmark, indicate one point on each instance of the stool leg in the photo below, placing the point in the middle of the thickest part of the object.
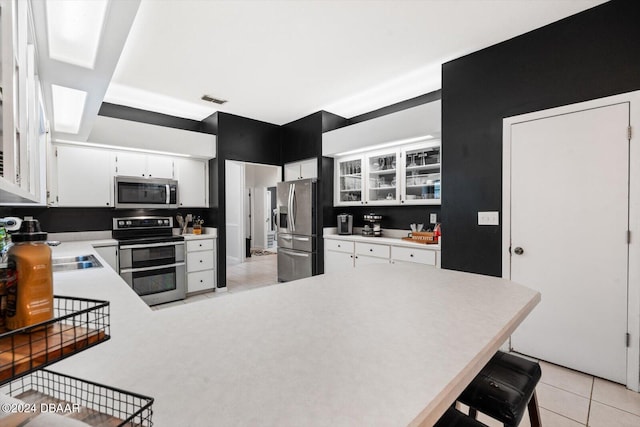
(534, 411)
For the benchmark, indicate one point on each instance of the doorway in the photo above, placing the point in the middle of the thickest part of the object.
(568, 204)
(251, 260)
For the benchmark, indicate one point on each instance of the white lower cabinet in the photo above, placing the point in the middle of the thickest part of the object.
(201, 261)
(340, 255)
(420, 256)
(109, 254)
(367, 253)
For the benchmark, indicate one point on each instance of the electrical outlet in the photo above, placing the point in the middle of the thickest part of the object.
(488, 218)
(433, 218)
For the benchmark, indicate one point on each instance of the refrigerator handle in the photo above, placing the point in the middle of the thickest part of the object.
(293, 207)
(289, 213)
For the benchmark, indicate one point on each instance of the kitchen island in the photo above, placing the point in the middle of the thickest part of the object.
(385, 345)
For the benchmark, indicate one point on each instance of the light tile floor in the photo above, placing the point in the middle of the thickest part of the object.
(256, 272)
(569, 398)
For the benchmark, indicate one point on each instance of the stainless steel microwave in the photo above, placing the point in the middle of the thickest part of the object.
(152, 193)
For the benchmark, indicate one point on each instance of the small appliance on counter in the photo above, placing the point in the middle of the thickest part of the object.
(372, 226)
(345, 224)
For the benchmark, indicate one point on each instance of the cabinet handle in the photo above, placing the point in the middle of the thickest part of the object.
(142, 174)
(411, 255)
(339, 246)
(350, 256)
(370, 250)
(107, 203)
(401, 201)
(200, 244)
(201, 260)
(200, 280)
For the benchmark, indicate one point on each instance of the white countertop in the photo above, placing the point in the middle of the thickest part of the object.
(384, 345)
(395, 241)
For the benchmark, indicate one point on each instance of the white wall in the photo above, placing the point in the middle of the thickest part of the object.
(258, 178)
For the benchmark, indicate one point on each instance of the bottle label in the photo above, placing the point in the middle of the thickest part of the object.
(11, 288)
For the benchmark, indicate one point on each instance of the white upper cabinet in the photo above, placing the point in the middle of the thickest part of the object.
(408, 174)
(23, 137)
(84, 176)
(301, 170)
(143, 165)
(193, 182)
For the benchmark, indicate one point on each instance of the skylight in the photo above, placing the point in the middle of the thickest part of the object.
(74, 28)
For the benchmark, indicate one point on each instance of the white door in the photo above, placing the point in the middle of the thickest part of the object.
(160, 167)
(192, 182)
(569, 215)
(234, 211)
(131, 164)
(337, 261)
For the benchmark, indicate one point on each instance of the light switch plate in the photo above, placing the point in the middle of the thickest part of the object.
(488, 218)
(433, 218)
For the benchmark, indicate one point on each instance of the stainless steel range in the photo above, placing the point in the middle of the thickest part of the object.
(151, 258)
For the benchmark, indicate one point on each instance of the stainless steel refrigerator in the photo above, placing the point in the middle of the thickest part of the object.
(297, 210)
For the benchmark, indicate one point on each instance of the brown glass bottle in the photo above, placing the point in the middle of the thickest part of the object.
(30, 296)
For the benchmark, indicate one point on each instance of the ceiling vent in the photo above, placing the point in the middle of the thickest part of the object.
(212, 99)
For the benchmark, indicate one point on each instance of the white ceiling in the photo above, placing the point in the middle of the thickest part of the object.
(277, 61)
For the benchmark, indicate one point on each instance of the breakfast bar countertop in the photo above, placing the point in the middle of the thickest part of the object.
(385, 345)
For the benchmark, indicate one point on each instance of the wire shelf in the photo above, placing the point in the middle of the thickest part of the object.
(94, 404)
(78, 324)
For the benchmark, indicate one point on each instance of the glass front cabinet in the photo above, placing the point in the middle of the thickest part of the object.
(408, 174)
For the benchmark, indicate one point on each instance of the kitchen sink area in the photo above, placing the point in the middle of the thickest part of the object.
(75, 263)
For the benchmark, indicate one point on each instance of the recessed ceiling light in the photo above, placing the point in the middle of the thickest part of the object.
(68, 107)
(212, 99)
(74, 28)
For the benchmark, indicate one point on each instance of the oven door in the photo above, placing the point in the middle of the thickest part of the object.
(134, 192)
(157, 285)
(156, 271)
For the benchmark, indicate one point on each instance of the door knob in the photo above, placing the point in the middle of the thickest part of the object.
(518, 250)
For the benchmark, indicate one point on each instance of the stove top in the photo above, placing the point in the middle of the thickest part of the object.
(144, 229)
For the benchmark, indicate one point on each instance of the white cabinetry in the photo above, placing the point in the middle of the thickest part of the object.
(22, 137)
(84, 176)
(342, 254)
(193, 182)
(338, 255)
(408, 174)
(143, 165)
(367, 253)
(419, 256)
(301, 170)
(110, 254)
(201, 260)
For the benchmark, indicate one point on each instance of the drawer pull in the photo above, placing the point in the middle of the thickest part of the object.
(370, 250)
(411, 255)
(339, 246)
(201, 260)
(201, 280)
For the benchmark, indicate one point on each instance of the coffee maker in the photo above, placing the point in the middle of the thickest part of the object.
(345, 224)
(372, 225)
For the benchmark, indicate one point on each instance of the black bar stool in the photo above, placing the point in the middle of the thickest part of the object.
(503, 389)
(455, 418)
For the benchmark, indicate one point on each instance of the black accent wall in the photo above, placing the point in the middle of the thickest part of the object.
(302, 139)
(149, 117)
(586, 56)
(245, 140)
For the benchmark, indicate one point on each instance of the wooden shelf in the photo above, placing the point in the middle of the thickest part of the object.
(77, 325)
(22, 353)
